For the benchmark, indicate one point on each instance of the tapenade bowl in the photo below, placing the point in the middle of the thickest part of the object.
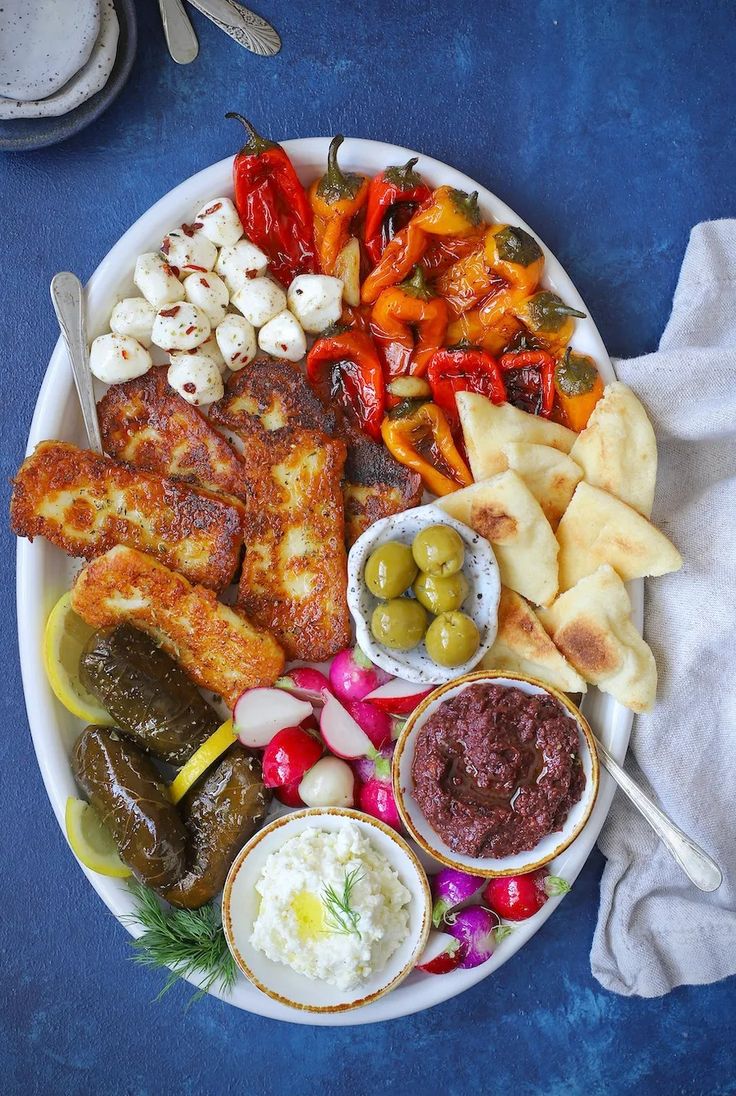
(326, 909)
(454, 785)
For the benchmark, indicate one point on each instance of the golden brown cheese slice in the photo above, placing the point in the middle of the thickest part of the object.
(85, 504)
(216, 645)
(147, 423)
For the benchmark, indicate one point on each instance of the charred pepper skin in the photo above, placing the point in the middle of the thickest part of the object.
(409, 324)
(273, 206)
(347, 362)
(392, 194)
(414, 429)
(130, 797)
(463, 369)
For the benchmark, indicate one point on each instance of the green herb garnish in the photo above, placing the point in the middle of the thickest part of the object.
(185, 941)
(340, 916)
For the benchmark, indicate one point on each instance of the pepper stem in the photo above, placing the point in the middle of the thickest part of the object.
(405, 176)
(416, 285)
(256, 144)
(335, 185)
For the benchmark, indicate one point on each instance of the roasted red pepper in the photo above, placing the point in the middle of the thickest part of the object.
(345, 368)
(530, 380)
(393, 198)
(409, 324)
(419, 436)
(273, 206)
(335, 199)
(463, 369)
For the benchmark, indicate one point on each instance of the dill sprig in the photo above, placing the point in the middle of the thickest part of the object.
(340, 915)
(185, 941)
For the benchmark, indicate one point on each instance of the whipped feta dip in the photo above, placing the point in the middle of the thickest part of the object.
(301, 925)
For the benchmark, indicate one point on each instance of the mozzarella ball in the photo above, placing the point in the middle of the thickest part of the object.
(283, 337)
(236, 338)
(117, 358)
(186, 249)
(209, 293)
(316, 301)
(133, 316)
(157, 281)
(211, 350)
(220, 222)
(196, 378)
(181, 327)
(240, 264)
(329, 783)
(260, 300)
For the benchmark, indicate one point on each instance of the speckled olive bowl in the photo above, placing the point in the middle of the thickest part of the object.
(431, 842)
(279, 982)
(480, 569)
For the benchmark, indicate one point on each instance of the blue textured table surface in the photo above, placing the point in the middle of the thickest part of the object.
(609, 128)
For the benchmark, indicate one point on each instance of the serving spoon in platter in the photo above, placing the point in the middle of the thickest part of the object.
(67, 296)
(700, 868)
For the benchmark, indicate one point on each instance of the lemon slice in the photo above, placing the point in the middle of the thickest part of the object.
(91, 841)
(63, 642)
(200, 761)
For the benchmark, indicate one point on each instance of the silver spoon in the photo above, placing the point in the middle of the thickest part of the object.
(178, 31)
(67, 296)
(248, 29)
(697, 865)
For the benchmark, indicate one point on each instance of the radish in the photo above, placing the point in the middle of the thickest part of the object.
(376, 798)
(451, 888)
(305, 683)
(479, 930)
(329, 783)
(442, 954)
(288, 756)
(353, 675)
(260, 713)
(288, 794)
(342, 735)
(517, 897)
(376, 724)
(399, 697)
(377, 765)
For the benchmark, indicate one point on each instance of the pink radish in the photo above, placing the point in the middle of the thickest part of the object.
(305, 683)
(377, 765)
(399, 697)
(377, 799)
(260, 713)
(342, 735)
(442, 954)
(376, 724)
(329, 783)
(353, 675)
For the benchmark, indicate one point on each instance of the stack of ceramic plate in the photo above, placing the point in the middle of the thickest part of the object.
(60, 60)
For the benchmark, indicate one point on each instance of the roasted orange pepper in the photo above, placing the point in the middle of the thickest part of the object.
(469, 328)
(549, 319)
(450, 213)
(419, 437)
(468, 281)
(578, 387)
(335, 199)
(515, 256)
(409, 324)
(444, 251)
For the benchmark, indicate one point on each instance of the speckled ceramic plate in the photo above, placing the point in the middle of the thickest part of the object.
(44, 572)
(44, 43)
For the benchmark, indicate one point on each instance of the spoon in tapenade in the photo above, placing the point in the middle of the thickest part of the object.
(700, 868)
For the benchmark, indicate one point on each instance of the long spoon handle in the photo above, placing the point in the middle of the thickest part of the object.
(67, 296)
(700, 868)
(178, 31)
(248, 29)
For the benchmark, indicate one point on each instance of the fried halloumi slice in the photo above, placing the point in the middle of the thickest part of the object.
(216, 645)
(294, 577)
(147, 423)
(85, 504)
(376, 486)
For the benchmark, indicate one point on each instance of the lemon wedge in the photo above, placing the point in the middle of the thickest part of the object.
(200, 761)
(63, 642)
(91, 841)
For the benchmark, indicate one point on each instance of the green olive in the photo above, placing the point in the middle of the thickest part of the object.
(390, 570)
(441, 594)
(451, 639)
(399, 623)
(439, 550)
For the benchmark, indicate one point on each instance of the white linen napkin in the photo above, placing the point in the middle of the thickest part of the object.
(655, 930)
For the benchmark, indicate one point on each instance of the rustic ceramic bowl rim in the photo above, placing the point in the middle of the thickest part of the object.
(360, 819)
(403, 743)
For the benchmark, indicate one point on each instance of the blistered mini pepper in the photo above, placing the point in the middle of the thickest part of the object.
(273, 206)
(515, 256)
(579, 386)
(409, 324)
(463, 369)
(347, 362)
(549, 319)
(419, 436)
(394, 194)
(335, 199)
(450, 213)
(468, 281)
(530, 380)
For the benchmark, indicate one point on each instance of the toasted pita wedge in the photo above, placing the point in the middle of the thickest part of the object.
(617, 451)
(597, 528)
(487, 427)
(550, 475)
(504, 511)
(591, 624)
(523, 647)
